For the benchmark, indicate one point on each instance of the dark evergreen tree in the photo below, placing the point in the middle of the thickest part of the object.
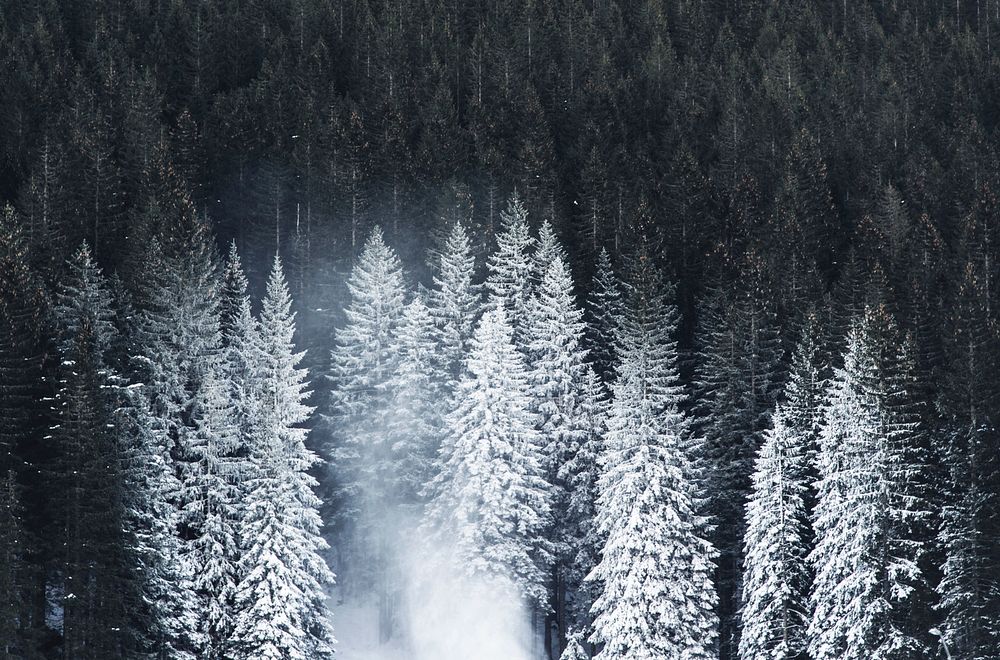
(93, 562)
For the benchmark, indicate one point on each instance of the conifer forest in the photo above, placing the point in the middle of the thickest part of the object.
(499, 330)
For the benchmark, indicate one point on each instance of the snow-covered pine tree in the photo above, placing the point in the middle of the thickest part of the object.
(93, 564)
(509, 268)
(547, 249)
(605, 309)
(554, 345)
(232, 294)
(281, 611)
(579, 474)
(210, 512)
(415, 426)
(805, 392)
(240, 339)
(866, 557)
(167, 610)
(178, 358)
(364, 362)
(454, 302)
(776, 573)
(655, 575)
(575, 649)
(490, 502)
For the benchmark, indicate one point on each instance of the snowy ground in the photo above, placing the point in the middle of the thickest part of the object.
(451, 624)
(357, 634)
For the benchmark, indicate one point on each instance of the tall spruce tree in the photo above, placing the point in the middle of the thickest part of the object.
(178, 362)
(555, 349)
(364, 362)
(454, 301)
(655, 575)
(280, 601)
(510, 267)
(167, 611)
(210, 512)
(776, 574)
(491, 502)
(580, 473)
(867, 557)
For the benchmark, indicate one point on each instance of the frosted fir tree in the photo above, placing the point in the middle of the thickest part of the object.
(547, 249)
(776, 573)
(605, 310)
(240, 346)
(178, 360)
(554, 342)
(509, 268)
(210, 513)
(805, 393)
(364, 362)
(454, 302)
(656, 597)
(491, 503)
(579, 474)
(416, 424)
(168, 610)
(575, 649)
(554, 346)
(232, 294)
(280, 599)
(866, 560)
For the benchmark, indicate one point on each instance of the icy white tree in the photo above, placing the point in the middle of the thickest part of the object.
(547, 250)
(416, 424)
(281, 601)
(454, 302)
(655, 575)
(211, 499)
(579, 474)
(776, 575)
(168, 610)
(776, 578)
(509, 268)
(866, 559)
(557, 357)
(491, 502)
(364, 364)
(558, 371)
(575, 649)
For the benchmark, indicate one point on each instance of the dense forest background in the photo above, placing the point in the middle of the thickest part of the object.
(781, 161)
